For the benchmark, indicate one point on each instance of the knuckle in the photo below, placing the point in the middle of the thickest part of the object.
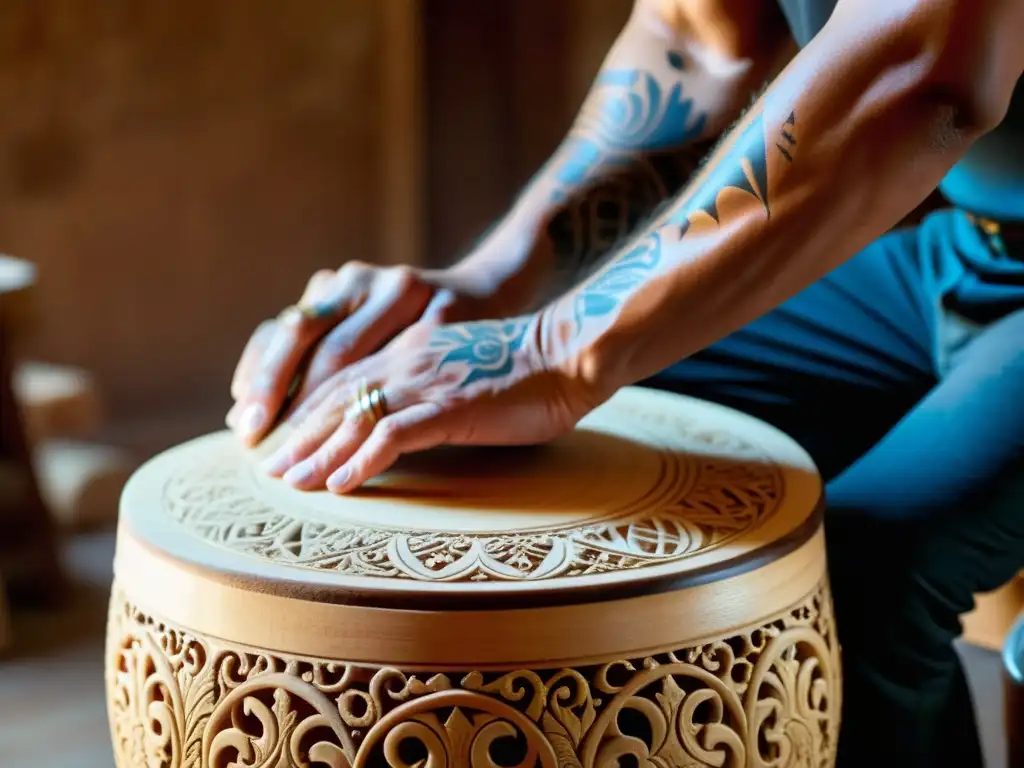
(321, 275)
(264, 329)
(404, 278)
(351, 268)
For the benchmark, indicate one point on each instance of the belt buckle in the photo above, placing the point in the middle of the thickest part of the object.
(992, 230)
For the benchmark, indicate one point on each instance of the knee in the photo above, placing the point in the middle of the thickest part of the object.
(901, 586)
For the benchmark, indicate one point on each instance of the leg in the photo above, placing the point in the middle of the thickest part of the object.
(910, 546)
(840, 367)
(837, 366)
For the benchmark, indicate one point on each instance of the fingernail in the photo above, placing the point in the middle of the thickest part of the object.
(337, 482)
(298, 474)
(252, 419)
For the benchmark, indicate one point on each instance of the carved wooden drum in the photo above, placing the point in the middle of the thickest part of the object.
(649, 590)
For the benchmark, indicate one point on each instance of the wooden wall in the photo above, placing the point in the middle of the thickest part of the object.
(177, 168)
(504, 80)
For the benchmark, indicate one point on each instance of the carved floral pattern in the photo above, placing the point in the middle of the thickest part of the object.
(766, 697)
(734, 488)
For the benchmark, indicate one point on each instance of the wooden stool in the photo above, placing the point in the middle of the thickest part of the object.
(651, 586)
(57, 401)
(1013, 668)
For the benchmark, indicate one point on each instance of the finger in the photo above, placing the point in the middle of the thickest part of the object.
(232, 418)
(416, 428)
(264, 332)
(310, 436)
(305, 409)
(364, 332)
(313, 471)
(318, 288)
(294, 336)
(250, 356)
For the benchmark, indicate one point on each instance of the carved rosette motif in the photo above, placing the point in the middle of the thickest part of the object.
(765, 697)
(734, 488)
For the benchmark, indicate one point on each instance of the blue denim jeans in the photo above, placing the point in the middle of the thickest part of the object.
(902, 373)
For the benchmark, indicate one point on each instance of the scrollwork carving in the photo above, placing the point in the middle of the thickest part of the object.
(733, 489)
(766, 697)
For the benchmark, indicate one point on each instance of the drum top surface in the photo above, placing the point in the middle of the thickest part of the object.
(649, 488)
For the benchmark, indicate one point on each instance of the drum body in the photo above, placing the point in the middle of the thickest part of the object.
(650, 590)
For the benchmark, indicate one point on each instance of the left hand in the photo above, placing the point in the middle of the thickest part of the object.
(479, 383)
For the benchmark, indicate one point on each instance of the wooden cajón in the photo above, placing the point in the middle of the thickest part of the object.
(650, 589)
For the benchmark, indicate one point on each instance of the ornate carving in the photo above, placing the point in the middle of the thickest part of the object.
(766, 697)
(732, 488)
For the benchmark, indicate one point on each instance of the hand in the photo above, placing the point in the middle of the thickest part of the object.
(342, 317)
(479, 383)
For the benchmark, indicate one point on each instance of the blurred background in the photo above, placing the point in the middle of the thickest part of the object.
(171, 173)
(177, 170)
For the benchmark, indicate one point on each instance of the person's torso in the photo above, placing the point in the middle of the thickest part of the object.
(989, 179)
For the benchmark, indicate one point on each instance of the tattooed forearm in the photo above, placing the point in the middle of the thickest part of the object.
(632, 110)
(742, 165)
(600, 218)
(622, 159)
(602, 295)
(484, 350)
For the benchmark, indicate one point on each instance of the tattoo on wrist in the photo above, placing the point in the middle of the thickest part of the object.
(485, 348)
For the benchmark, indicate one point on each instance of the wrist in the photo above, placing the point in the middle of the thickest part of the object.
(586, 362)
(510, 266)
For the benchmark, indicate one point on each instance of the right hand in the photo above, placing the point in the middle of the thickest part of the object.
(356, 311)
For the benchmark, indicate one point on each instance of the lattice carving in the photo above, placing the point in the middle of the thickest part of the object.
(733, 488)
(766, 697)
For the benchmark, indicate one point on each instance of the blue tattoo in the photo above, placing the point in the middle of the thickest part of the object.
(744, 167)
(486, 348)
(634, 114)
(584, 154)
(605, 292)
(628, 140)
(600, 218)
(637, 117)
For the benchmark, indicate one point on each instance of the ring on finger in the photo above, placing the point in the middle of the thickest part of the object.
(370, 403)
(296, 313)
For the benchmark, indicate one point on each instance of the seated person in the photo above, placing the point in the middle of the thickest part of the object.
(766, 282)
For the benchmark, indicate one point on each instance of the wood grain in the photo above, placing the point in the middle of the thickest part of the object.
(178, 170)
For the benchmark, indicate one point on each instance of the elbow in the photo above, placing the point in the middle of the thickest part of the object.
(971, 61)
(964, 109)
(958, 116)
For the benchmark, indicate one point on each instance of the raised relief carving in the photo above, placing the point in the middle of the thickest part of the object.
(732, 488)
(765, 697)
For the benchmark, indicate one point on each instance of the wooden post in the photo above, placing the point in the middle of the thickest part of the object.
(29, 563)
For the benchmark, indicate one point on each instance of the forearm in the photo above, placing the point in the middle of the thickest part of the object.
(666, 89)
(852, 136)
